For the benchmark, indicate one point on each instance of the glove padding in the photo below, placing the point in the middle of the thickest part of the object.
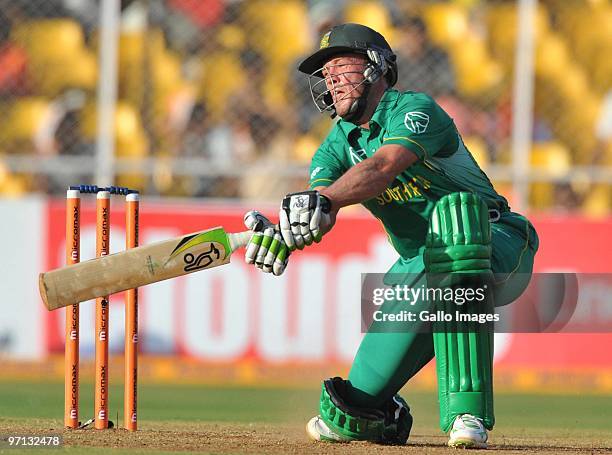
(302, 217)
(266, 249)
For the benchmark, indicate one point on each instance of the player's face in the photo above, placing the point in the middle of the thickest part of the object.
(344, 80)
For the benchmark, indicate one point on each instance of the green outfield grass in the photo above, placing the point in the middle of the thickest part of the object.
(542, 417)
(219, 404)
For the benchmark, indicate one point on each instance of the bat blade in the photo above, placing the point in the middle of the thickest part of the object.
(138, 266)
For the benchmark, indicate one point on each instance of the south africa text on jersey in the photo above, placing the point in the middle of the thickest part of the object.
(404, 191)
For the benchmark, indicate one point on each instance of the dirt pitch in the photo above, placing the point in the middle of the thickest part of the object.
(224, 438)
(203, 419)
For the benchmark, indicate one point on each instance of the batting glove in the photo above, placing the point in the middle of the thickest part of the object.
(303, 216)
(266, 249)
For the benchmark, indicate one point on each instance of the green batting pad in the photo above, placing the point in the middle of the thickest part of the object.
(389, 425)
(465, 375)
(458, 246)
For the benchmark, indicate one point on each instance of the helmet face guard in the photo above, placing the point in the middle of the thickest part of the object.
(379, 63)
(324, 90)
(349, 39)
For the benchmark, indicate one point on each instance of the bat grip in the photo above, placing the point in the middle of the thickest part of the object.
(239, 239)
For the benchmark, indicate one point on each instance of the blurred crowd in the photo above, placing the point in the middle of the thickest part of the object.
(216, 80)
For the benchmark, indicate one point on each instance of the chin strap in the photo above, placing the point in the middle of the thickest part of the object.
(358, 107)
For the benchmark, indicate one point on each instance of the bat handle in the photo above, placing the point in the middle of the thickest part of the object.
(239, 239)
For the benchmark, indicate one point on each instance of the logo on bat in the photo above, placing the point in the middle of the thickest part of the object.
(216, 242)
(202, 260)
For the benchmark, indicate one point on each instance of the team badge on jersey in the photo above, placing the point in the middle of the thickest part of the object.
(416, 122)
(325, 41)
(357, 156)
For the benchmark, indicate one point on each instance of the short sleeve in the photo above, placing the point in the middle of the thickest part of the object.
(325, 167)
(422, 127)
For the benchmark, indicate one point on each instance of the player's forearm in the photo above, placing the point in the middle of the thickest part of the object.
(361, 182)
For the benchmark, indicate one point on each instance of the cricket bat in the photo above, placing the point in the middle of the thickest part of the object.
(139, 266)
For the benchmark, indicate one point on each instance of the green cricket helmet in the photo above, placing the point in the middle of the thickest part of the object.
(354, 39)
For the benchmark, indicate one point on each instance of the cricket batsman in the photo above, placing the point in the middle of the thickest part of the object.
(401, 156)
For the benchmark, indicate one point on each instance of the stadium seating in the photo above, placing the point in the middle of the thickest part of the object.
(305, 147)
(448, 27)
(477, 73)
(157, 82)
(478, 149)
(446, 23)
(370, 13)
(562, 83)
(13, 64)
(598, 200)
(130, 138)
(221, 76)
(232, 37)
(278, 29)
(58, 58)
(26, 128)
(163, 75)
(12, 184)
(24, 122)
(589, 31)
(502, 22)
(554, 159)
(130, 134)
(52, 39)
(150, 77)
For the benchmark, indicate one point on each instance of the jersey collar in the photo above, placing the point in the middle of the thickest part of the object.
(385, 107)
(381, 114)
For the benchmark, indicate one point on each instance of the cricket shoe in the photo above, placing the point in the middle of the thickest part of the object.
(318, 430)
(468, 432)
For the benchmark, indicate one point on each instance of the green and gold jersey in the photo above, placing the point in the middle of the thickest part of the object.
(415, 121)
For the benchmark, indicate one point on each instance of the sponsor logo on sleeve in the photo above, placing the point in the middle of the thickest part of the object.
(315, 171)
(416, 122)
